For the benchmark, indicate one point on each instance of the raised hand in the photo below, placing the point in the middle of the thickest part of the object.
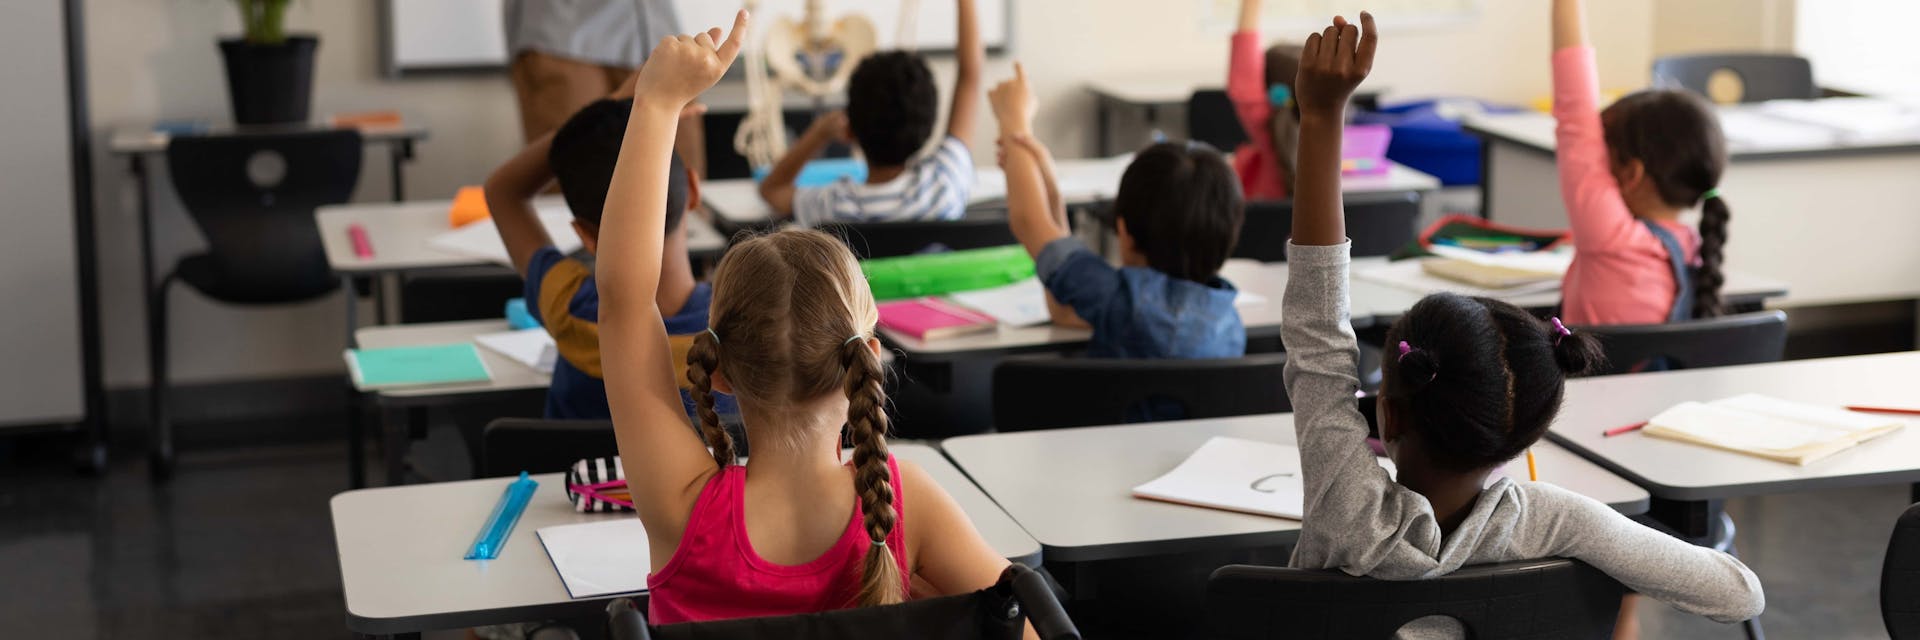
(1014, 104)
(1333, 63)
(683, 67)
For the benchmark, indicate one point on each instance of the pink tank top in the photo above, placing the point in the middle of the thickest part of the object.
(716, 574)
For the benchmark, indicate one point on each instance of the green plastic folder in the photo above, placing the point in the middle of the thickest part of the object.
(416, 366)
(938, 274)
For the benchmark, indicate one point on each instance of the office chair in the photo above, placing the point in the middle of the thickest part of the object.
(512, 445)
(1900, 578)
(252, 196)
(1378, 223)
(1748, 338)
(1762, 76)
(1053, 393)
(1211, 119)
(1550, 598)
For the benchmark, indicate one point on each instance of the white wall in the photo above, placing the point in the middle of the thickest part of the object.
(156, 59)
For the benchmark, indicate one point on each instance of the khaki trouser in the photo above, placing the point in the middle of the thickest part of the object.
(551, 88)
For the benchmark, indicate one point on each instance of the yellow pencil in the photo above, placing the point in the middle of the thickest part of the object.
(1533, 470)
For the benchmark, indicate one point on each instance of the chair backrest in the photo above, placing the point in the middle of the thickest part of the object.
(1054, 393)
(894, 239)
(998, 612)
(1748, 338)
(1762, 76)
(1211, 119)
(1550, 598)
(1900, 578)
(447, 295)
(1378, 223)
(253, 195)
(512, 445)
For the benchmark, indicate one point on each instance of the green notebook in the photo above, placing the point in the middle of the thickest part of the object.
(400, 367)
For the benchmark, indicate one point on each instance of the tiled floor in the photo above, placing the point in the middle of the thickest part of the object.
(240, 546)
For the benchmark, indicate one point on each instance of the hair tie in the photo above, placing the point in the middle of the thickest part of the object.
(879, 543)
(1560, 331)
(1404, 350)
(850, 340)
(716, 336)
(1280, 95)
(1711, 194)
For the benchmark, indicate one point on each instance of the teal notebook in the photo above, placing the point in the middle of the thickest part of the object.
(431, 365)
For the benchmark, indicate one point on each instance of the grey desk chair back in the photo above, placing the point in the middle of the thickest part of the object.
(1900, 578)
(1055, 393)
(1762, 76)
(468, 293)
(1211, 119)
(1535, 599)
(509, 446)
(253, 196)
(995, 613)
(893, 239)
(1378, 223)
(1748, 338)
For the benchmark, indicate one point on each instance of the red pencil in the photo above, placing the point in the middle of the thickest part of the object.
(1623, 430)
(1904, 412)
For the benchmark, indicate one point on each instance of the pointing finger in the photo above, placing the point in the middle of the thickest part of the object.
(736, 39)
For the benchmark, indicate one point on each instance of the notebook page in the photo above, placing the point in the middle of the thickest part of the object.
(531, 347)
(1020, 304)
(481, 240)
(599, 558)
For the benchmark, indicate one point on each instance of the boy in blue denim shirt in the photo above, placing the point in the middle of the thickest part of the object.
(1178, 211)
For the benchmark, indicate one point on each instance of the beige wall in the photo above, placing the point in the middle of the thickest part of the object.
(1716, 26)
(155, 59)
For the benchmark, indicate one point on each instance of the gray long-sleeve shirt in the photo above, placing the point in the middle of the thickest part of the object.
(1358, 520)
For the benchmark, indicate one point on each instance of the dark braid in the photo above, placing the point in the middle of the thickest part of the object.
(880, 579)
(1708, 279)
(702, 360)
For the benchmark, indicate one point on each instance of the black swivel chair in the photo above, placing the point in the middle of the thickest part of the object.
(253, 197)
(1900, 578)
(892, 239)
(1378, 223)
(1211, 119)
(1534, 599)
(998, 612)
(1748, 338)
(466, 293)
(1762, 76)
(1055, 393)
(512, 445)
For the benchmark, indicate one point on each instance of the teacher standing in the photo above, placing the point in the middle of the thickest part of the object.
(568, 53)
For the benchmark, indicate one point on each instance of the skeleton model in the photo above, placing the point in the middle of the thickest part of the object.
(812, 57)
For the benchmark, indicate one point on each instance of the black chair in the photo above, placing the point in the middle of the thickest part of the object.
(1055, 393)
(446, 295)
(1001, 611)
(1748, 338)
(892, 239)
(1534, 599)
(1378, 223)
(1900, 578)
(252, 196)
(1212, 119)
(1762, 76)
(512, 445)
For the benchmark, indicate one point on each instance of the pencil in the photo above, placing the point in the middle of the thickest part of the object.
(1533, 469)
(1623, 430)
(1905, 412)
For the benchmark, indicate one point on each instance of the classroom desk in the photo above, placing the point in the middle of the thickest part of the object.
(1837, 219)
(400, 235)
(1741, 290)
(1682, 472)
(1072, 488)
(1147, 95)
(507, 374)
(400, 548)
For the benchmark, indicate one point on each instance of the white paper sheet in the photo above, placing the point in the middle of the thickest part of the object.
(531, 347)
(1020, 304)
(480, 240)
(599, 558)
(1407, 275)
(1247, 476)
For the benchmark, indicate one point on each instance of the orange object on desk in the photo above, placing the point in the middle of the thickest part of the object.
(366, 120)
(469, 206)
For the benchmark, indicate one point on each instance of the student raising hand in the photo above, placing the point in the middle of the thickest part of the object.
(1332, 64)
(683, 67)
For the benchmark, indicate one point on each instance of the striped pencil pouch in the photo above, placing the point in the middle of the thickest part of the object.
(598, 485)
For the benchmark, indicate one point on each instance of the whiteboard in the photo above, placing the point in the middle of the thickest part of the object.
(1221, 15)
(442, 35)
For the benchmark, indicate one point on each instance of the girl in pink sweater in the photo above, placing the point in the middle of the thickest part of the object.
(1261, 88)
(1627, 174)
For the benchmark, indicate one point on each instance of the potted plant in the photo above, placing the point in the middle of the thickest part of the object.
(269, 75)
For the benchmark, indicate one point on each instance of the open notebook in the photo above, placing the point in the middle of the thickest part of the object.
(599, 558)
(1247, 476)
(1770, 428)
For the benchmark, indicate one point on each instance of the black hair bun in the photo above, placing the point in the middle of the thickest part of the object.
(1579, 354)
(1418, 368)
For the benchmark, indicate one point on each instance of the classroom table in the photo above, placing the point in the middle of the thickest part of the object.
(400, 234)
(506, 376)
(1741, 290)
(400, 547)
(1072, 488)
(1835, 216)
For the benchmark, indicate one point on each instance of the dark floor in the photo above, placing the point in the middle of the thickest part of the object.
(240, 545)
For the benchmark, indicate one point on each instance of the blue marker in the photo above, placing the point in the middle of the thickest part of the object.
(506, 513)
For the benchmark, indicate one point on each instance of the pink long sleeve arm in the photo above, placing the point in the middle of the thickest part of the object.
(1601, 220)
(1247, 87)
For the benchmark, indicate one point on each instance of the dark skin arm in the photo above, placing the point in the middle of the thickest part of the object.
(1333, 64)
(970, 56)
(778, 189)
(510, 191)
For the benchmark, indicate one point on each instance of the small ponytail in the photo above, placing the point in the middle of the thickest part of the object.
(1579, 353)
(880, 579)
(1707, 280)
(1418, 368)
(702, 360)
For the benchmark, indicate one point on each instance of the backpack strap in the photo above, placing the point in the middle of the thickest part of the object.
(1682, 274)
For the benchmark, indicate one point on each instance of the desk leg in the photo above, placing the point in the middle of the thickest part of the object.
(160, 440)
(1103, 121)
(393, 444)
(399, 153)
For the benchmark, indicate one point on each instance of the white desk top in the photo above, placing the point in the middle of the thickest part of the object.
(508, 374)
(400, 549)
(1072, 488)
(1687, 472)
(131, 140)
(400, 234)
(1740, 288)
(1150, 91)
(1082, 182)
(1753, 131)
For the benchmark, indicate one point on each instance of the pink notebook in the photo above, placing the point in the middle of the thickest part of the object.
(931, 319)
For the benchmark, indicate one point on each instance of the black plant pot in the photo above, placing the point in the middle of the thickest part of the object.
(270, 84)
